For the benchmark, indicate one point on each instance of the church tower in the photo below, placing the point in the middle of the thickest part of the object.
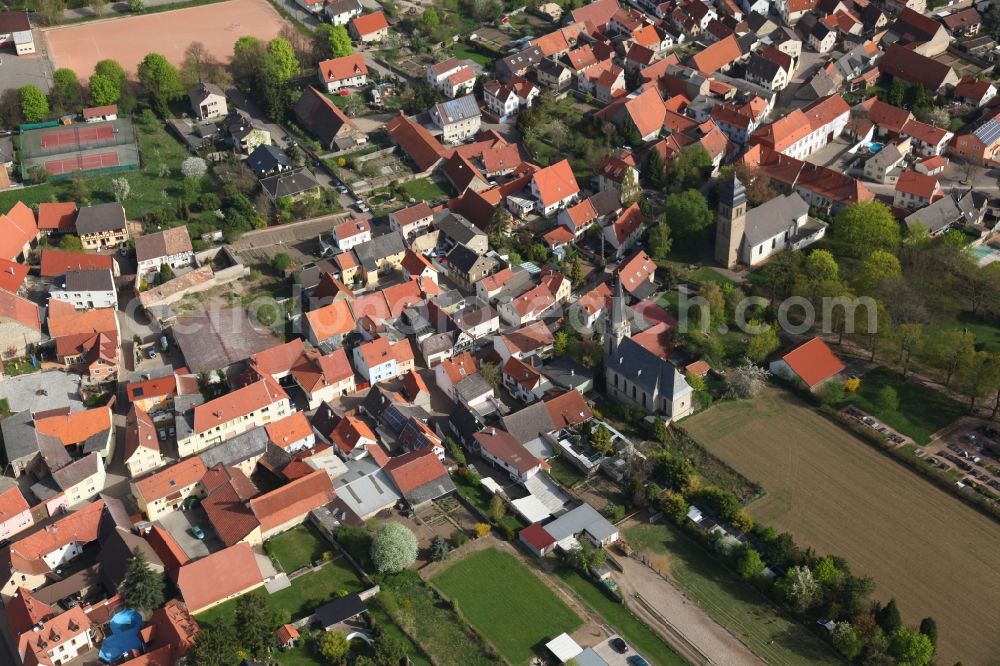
(617, 326)
(731, 222)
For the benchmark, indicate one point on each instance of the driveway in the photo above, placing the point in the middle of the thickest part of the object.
(25, 391)
(179, 524)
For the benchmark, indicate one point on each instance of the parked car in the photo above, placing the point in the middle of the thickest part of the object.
(151, 353)
(198, 532)
(619, 645)
(636, 660)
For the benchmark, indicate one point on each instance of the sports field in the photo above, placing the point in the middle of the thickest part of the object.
(507, 603)
(128, 40)
(930, 551)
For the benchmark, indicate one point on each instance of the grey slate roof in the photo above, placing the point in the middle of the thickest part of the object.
(90, 280)
(266, 159)
(201, 92)
(430, 491)
(457, 227)
(473, 386)
(762, 68)
(582, 519)
(657, 376)
(18, 433)
(529, 423)
(244, 446)
(769, 219)
(100, 218)
(289, 184)
(463, 259)
(606, 202)
(947, 211)
(379, 247)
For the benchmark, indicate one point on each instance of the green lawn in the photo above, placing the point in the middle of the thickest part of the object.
(157, 148)
(480, 498)
(4, 408)
(564, 472)
(463, 51)
(507, 603)
(922, 411)
(442, 634)
(18, 366)
(732, 602)
(417, 656)
(296, 548)
(306, 593)
(987, 334)
(706, 274)
(634, 630)
(424, 189)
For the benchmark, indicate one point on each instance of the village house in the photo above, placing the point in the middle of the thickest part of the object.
(340, 12)
(346, 72)
(15, 514)
(142, 445)
(244, 133)
(164, 491)
(324, 120)
(97, 114)
(102, 226)
(87, 289)
(800, 133)
(915, 190)
(507, 99)
(211, 580)
(458, 119)
(86, 340)
(217, 420)
(379, 359)
(501, 449)
(268, 160)
(170, 246)
(351, 232)
(370, 28)
(208, 101)
(56, 217)
(554, 187)
(980, 145)
(412, 221)
(523, 381)
(535, 339)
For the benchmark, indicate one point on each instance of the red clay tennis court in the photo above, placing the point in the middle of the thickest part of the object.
(77, 136)
(81, 163)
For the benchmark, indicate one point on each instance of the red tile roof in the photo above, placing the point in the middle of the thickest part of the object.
(164, 482)
(139, 432)
(568, 409)
(279, 359)
(12, 275)
(415, 469)
(636, 270)
(813, 361)
(414, 140)
(349, 432)
(166, 548)
(219, 576)
(331, 320)
(289, 430)
(226, 503)
(912, 67)
(20, 310)
(343, 68)
(556, 183)
(58, 262)
(369, 23)
(316, 370)
(535, 536)
(17, 228)
(151, 388)
(237, 403)
(57, 216)
(504, 446)
(718, 55)
(293, 500)
(595, 300)
(917, 184)
(522, 373)
(75, 427)
(924, 132)
(12, 503)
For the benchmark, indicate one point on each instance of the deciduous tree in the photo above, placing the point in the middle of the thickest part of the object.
(762, 344)
(67, 93)
(34, 105)
(749, 565)
(688, 214)
(215, 646)
(160, 80)
(660, 241)
(394, 548)
(910, 647)
(847, 640)
(340, 42)
(945, 350)
(862, 228)
(799, 588)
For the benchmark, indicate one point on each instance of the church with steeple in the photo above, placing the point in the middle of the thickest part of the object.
(633, 374)
(749, 237)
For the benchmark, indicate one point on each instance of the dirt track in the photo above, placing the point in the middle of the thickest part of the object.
(714, 643)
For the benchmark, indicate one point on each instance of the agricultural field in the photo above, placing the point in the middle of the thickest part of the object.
(834, 493)
(507, 603)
